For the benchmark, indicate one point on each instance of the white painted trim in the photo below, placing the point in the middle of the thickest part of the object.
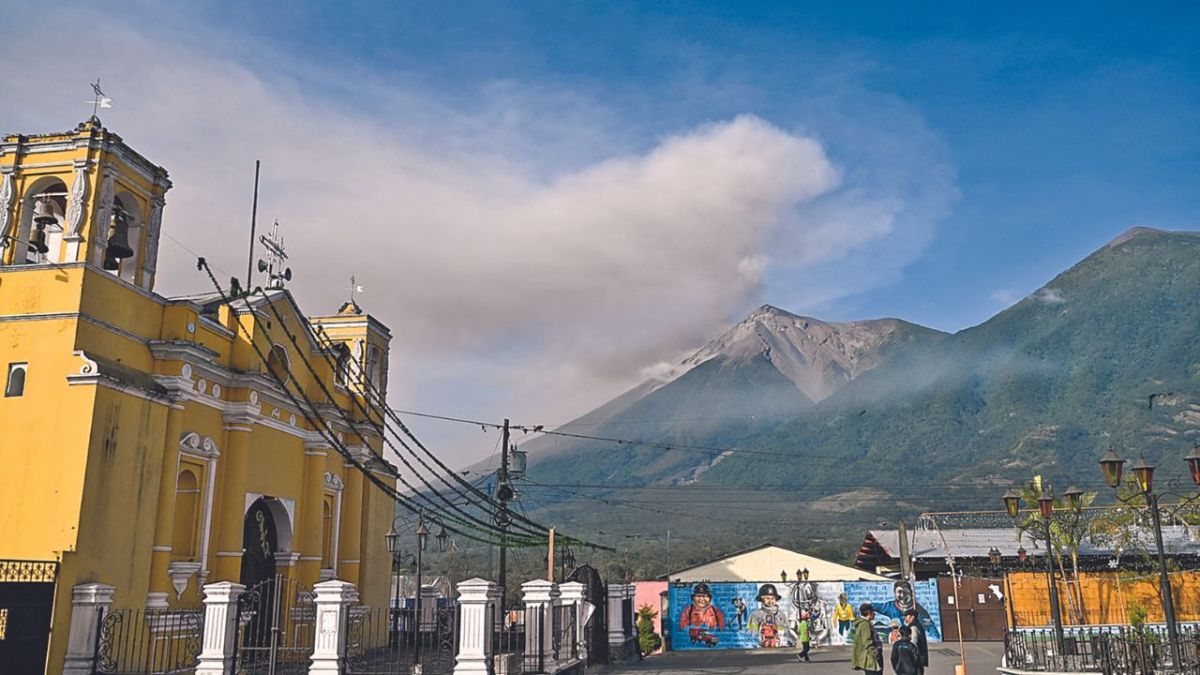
(206, 532)
(162, 549)
(337, 528)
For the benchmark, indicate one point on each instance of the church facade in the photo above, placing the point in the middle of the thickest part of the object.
(146, 442)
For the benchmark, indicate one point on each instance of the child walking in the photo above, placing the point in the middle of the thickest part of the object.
(803, 637)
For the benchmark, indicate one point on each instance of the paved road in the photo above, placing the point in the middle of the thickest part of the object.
(982, 657)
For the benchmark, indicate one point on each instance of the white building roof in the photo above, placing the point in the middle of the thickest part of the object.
(765, 562)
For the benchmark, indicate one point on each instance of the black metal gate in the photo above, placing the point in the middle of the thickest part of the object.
(148, 642)
(596, 631)
(392, 642)
(276, 627)
(26, 604)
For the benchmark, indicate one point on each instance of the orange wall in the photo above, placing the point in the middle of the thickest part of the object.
(1103, 597)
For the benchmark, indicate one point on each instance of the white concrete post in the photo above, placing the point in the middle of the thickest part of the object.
(499, 617)
(475, 628)
(88, 603)
(333, 600)
(539, 596)
(631, 595)
(429, 598)
(616, 631)
(572, 594)
(220, 628)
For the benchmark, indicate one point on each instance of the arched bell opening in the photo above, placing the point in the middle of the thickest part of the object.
(43, 218)
(119, 250)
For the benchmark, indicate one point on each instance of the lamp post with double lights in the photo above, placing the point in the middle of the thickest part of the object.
(1045, 500)
(1112, 466)
(393, 546)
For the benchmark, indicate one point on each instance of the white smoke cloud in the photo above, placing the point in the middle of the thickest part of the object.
(510, 270)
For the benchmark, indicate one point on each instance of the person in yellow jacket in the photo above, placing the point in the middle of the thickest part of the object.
(844, 614)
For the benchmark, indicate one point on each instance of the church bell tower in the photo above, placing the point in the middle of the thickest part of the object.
(81, 196)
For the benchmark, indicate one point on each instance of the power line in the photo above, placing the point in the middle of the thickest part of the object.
(320, 425)
(483, 525)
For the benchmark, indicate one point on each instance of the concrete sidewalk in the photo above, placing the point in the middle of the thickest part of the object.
(982, 657)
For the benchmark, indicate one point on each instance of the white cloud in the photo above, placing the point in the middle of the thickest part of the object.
(1006, 296)
(1049, 296)
(511, 271)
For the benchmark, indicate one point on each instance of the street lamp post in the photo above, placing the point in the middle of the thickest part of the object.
(1012, 504)
(1143, 472)
(393, 545)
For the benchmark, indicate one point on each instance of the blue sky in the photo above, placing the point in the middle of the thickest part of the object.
(1065, 125)
(548, 200)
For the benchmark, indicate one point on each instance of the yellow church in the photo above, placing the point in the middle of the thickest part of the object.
(146, 442)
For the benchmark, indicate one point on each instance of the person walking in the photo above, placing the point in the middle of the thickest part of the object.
(867, 654)
(905, 659)
(913, 621)
(802, 636)
(843, 614)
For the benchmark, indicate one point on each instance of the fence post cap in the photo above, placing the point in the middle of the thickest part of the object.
(92, 594)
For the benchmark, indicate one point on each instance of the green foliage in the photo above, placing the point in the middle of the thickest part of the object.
(648, 640)
(1137, 614)
(1045, 386)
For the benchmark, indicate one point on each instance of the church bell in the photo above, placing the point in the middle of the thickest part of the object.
(117, 247)
(42, 217)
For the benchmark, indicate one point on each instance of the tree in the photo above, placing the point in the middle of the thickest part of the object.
(648, 640)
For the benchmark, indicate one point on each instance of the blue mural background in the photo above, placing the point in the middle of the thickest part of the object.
(757, 625)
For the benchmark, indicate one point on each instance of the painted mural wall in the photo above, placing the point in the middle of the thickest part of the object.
(749, 615)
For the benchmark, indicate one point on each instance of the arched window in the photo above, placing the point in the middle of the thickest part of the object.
(15, 385)
(187, 510)
(128, 205)
(278, 364)
(327, 534)
(46, 205)
(373, 365)
(342, 355)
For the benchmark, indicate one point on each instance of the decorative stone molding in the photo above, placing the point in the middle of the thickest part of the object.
(181, 573)
(79, 187)
(198, 446)
(475, 632)
(7, 195)
(333, 482)
(153, 226)
(104, 206)
(89, 366)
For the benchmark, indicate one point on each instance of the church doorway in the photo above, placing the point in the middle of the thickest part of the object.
(260, 542)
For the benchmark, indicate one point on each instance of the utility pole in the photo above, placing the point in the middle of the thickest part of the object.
(550, 558)
(503, 493)
(668, 553)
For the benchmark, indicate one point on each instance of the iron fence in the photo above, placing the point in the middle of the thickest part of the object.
(382, 641)
(509, 647)
(147, 641)
(1112, 650)
(276, 627)
(564, 636)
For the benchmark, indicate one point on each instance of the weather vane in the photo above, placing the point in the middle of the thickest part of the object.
(276, 272)
(100, 100)
(355, 287)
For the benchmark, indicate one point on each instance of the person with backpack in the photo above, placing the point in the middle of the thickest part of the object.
(867, 654)
(912, 620)
(905, 659)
